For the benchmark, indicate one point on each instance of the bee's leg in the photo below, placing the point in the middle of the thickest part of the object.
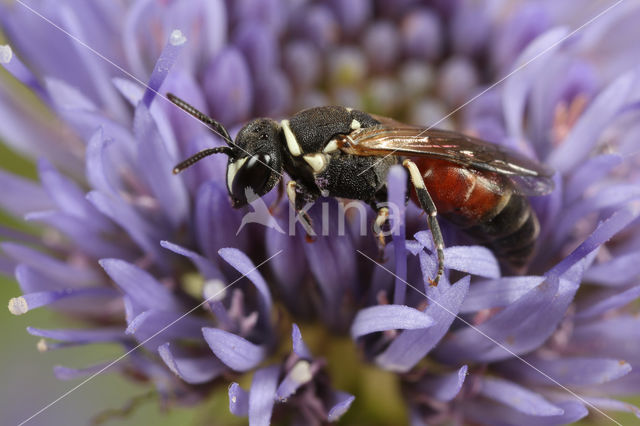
(273, 205)
(381, 221)
(299, 196)
(430, 208)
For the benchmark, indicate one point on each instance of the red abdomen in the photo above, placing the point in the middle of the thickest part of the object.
(483, 203)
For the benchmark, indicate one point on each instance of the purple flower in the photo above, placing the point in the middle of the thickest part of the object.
(198, 298)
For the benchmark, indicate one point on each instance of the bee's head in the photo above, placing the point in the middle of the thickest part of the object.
(255, 162)
(256, 165)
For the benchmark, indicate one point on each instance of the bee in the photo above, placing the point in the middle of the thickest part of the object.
(342, 152)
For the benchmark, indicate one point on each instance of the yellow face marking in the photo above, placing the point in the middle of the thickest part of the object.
(232, 169)
(292, 143)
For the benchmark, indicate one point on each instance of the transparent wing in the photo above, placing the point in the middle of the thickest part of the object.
(530, 177)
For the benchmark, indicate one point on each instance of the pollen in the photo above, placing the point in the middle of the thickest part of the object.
(18, 306)
(301, 372)
(214, 290)
(177, 38)
(42, 345)
(5, 54)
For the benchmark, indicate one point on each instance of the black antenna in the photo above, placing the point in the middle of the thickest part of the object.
(217, 127)
(200, 155)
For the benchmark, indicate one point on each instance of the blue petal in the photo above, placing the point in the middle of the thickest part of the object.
(498, 293)
(21, 196)
(163, 65)
(588, 173)
(518, 397)
(193, 370)
(617, 337)
(388, 317)
(522, 326)
(154, 327)
(606, 230)
(236, 352)
(444, 387)
(66, 373)
(141, 231)
(620, 270)
(474, 260)
(586, 132)
(262, 395)
(51, 267)
(485, 412)
(238, 400)
(143, 288)
(567, 371)
(397, 186)
(23, 304)
(156, 165)
(243, 264)
(81, 336)
(228, 81)
(215, 220)
(412, 345)
(206, 267)
(84, 233)
(612, 404)
(95, 66)
(517, 87)
(613, 302)
(341, 401)
(299, 347)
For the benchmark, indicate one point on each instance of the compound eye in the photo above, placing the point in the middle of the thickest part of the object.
(251, 179)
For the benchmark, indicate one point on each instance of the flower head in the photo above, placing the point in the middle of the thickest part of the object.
(197, 296)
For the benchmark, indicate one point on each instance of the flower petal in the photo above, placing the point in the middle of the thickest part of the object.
(444, 387)
(139, 229)
(138, 284)
(262, 395)
(567, 371)
(485, 412)
(29, 301)
(588, 173)
(299, 347)
(206, 267)
(66, 373)
(397, 185)
(163, 65)
(236, 352)
(587, 130)
(245, 266)
(81, 336)
(412, 345)
(498, 293)
(617, 271)
(518, 397)
(238, 400)
(616, 301)
(341, 402)
(51, 267)
(474, 260)
(388, 317)
(21, 196)
(155, 165)
(193, 370)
